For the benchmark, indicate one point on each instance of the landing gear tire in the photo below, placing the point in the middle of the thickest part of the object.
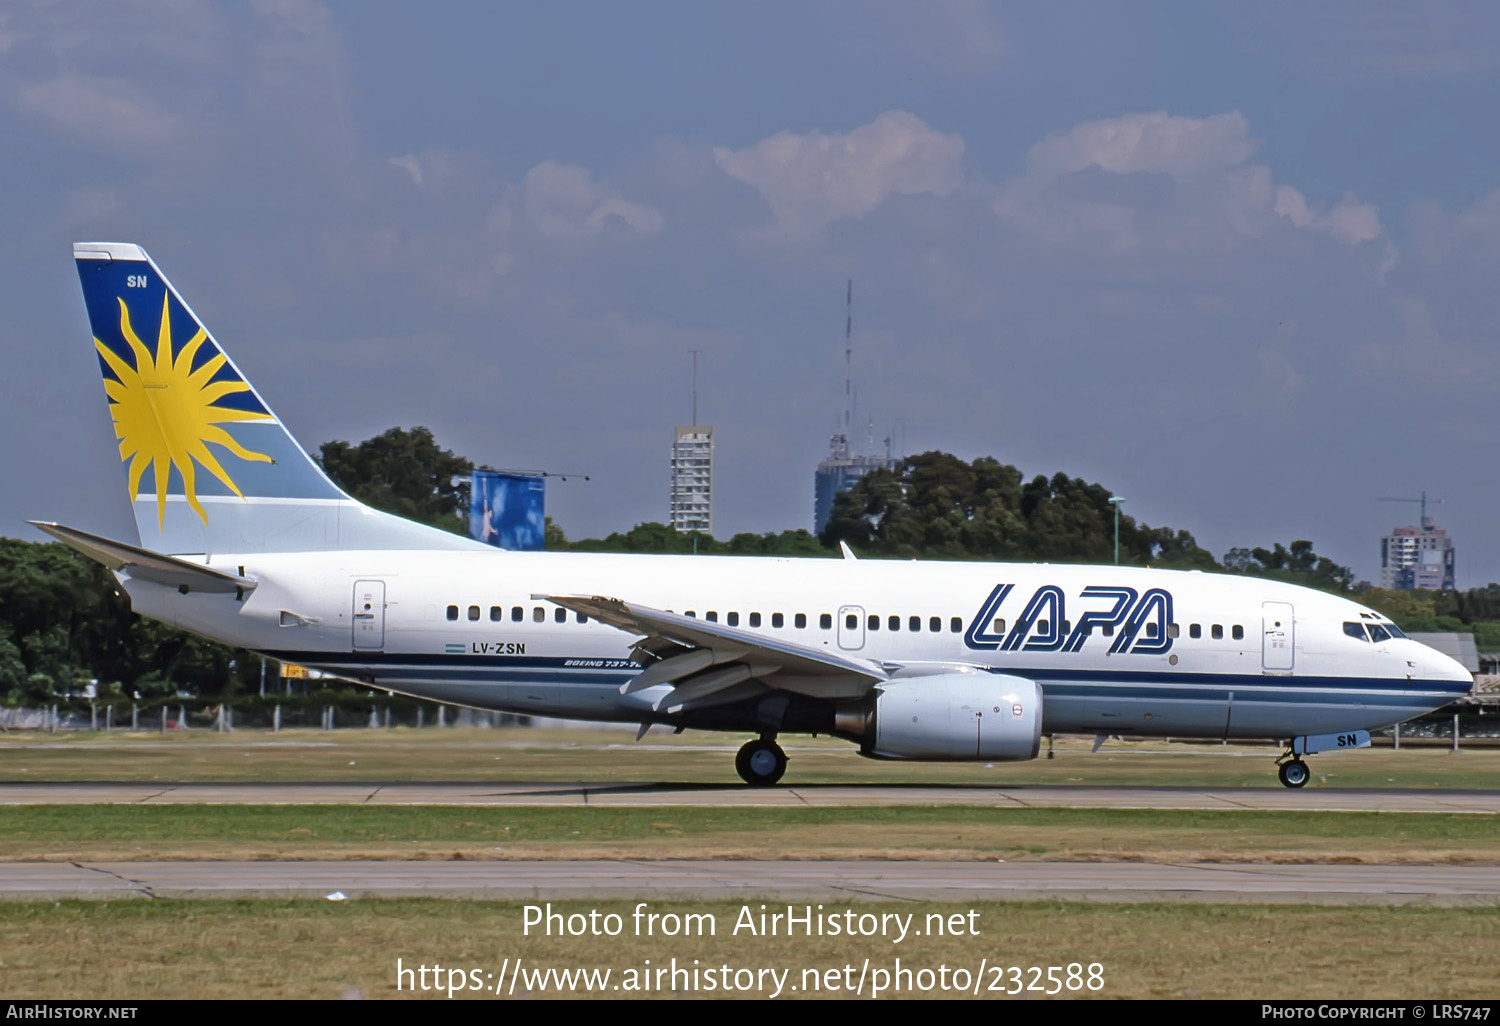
(1293, 773)
(760, 763)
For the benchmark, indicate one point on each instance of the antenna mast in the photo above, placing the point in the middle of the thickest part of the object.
(695, 353)
(849, 359)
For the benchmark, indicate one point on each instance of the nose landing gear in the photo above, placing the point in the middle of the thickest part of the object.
(761, 763)
(1293, 772)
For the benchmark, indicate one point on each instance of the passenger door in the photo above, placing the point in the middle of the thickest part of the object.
(369, 615)
(1277, 652)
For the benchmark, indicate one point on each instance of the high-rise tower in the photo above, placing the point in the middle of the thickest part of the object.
(1417, 558)
(843, 467)
(691, 501)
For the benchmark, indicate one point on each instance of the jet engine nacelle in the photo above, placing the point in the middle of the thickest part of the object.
(950, 716)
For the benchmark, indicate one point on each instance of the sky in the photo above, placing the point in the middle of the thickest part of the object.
(1236, 262)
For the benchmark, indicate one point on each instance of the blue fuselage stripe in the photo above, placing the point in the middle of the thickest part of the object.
(1056, 682)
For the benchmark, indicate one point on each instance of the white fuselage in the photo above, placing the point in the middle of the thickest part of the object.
(1114, 649)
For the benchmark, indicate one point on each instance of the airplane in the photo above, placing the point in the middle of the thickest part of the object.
(243, 539)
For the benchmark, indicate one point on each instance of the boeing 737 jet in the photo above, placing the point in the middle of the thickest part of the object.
(244, 540)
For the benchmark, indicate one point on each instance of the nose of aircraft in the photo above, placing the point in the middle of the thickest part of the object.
(1429, 664)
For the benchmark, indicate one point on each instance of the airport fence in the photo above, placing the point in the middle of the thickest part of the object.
(321, 711)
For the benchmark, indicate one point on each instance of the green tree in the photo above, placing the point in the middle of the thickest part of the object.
(936, 506)
(651, 537)
(1296, 565)
(405, 473)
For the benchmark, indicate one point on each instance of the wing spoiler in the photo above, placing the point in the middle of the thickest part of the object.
(142, 565)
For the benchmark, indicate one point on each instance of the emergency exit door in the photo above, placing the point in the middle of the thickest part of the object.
(851, 627)
(369, 615)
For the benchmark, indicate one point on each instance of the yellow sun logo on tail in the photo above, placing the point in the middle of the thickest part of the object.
(165, 415)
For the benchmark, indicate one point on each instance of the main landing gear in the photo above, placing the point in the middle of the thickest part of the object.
(761, 762)
(1292, 771)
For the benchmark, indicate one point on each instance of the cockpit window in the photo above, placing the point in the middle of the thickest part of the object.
(1395, 631)
(1355, 630)
(1378, 633)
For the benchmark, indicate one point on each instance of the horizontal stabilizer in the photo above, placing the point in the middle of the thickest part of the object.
(146, 566)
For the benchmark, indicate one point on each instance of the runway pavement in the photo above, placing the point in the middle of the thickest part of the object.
(780, 880)
(719, 795)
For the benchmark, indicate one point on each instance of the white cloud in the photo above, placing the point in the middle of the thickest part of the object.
(1439, 234)
(813, 179)
(1169, 184)
(409, 163)
(563, 202)
(1349, 222)
(1154, 142)
(105, 111)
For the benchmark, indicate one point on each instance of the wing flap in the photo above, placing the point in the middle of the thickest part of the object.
(689, 650)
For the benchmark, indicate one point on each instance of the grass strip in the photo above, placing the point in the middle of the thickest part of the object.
(958, 831)
(322, 949)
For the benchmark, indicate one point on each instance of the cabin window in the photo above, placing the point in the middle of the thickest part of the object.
(560, 615)
(873, 623)
(1042, 626)
(1173, 630)
(1217, 631)
(1109, 630)
(1067, 628)
(955, 625)
(1152, 630)
(1239, 633)
(496, 613)
(712, 616)
(935, 624)
(999, 625)
(691, 613)
(754, 619)
(1378, 633)
(851, 621)
(777, 619)
(893, 623)
(1195, 630)
(538, 614)
(582, 618)
(800, 621)
(825, 621)
(517, 614)
(473, 612)
(1355, 631)
(733, 619)
(453, 612)
(914, 623)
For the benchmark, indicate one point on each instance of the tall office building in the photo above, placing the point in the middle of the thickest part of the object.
(692, 499)
(837, 474)
(842, 467)
(1417, 558)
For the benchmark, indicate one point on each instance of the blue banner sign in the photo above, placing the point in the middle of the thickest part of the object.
(508, 510)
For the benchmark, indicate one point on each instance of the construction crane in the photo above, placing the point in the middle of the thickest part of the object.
(1423, 501)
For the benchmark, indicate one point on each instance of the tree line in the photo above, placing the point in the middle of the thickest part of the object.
(64, 623)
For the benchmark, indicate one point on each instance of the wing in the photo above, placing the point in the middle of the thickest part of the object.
(698, 663)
